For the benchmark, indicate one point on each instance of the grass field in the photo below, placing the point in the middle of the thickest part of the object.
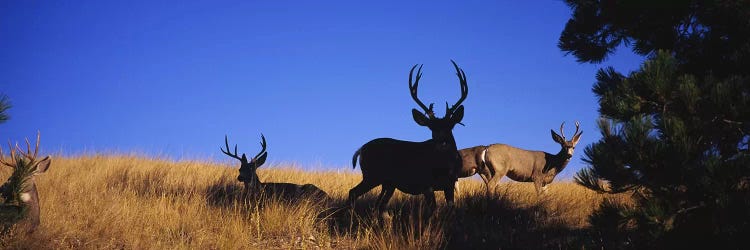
(133, 202)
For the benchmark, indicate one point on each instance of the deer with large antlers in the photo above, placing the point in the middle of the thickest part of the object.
(498, 160)
(414, 167)
(20, 206)
(255, 187)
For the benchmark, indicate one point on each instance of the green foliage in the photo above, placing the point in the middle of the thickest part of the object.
(680, 147)
(675, 132)
(4, 106)
(678, 143)
(701, 34)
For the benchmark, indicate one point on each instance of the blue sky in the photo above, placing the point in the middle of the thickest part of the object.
(318, 78)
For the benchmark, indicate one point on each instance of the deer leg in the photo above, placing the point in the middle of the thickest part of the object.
(359, 190)
(449, 196)
(544, 188)
(385, 195)
(538, 187)
(430, 199)
(494, 181)
(486, 182)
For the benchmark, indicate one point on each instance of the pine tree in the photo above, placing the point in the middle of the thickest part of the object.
(675, 132)
(4, 106)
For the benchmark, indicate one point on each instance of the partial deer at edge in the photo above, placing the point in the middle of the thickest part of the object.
(253, 185)
(20, 207)
(498, 160)
(414, 167)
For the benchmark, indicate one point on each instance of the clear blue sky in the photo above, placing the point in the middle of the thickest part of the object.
(319, 79)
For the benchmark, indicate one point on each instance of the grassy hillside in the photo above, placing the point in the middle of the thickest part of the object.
(131, 202)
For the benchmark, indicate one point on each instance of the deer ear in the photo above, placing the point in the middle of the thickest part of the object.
(420, 118)
(260, 160)
(557, 138)
(458, 115)
(577, 137)
(43, 165)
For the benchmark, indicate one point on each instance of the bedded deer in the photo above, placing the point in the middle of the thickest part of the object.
(414, 167)
(255, 188)
(498, 160)
(20, 207)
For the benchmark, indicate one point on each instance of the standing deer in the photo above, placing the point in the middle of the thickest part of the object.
(498, 160)
(20, 206)
(255, 187)
(414, 167)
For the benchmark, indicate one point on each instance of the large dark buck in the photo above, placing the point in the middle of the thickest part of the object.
(414, 167)
(256, 188)
(20, 207)
(498, 160)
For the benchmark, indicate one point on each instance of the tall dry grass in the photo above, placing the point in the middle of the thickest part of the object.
(131, 202)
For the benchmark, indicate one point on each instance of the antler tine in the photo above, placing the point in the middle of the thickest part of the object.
(20, 151)
(262, 145)
(464, 88)
(12, 150)
(36, 149)
(578, 126)
(27, 154)
(227, 152)
(561, 130)
(2, 160)
(28, 146)
(413, 90)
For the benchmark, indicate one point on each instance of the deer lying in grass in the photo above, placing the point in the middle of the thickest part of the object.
(498, 160)
(19, 210)
(414, 167)
(255, 188)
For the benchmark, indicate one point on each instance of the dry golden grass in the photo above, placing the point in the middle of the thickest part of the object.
(131, 202)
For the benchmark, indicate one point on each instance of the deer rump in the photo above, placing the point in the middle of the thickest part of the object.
(411, 167)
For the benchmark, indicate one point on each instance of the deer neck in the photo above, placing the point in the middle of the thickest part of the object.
(254, 184)
(558, 162)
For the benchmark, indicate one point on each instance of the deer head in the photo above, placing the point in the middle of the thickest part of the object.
(442, 128)
(567, 146)
(247, 169)
(25, 166)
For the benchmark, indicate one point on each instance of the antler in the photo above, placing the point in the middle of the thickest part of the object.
(578, 126)
(12, 155)
(464, 90)
(561, 130)
(28, 154)
(263, 145)
(226, 143)
(236, 155)
(413, 90)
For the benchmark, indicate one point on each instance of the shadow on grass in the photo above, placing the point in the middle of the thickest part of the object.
(474, 223)
(500, 223)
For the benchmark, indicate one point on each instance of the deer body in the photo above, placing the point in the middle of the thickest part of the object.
(523, 165)
(255, 188)
(289, 191)
(498, 160)
(414, 167)
(411, 167)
